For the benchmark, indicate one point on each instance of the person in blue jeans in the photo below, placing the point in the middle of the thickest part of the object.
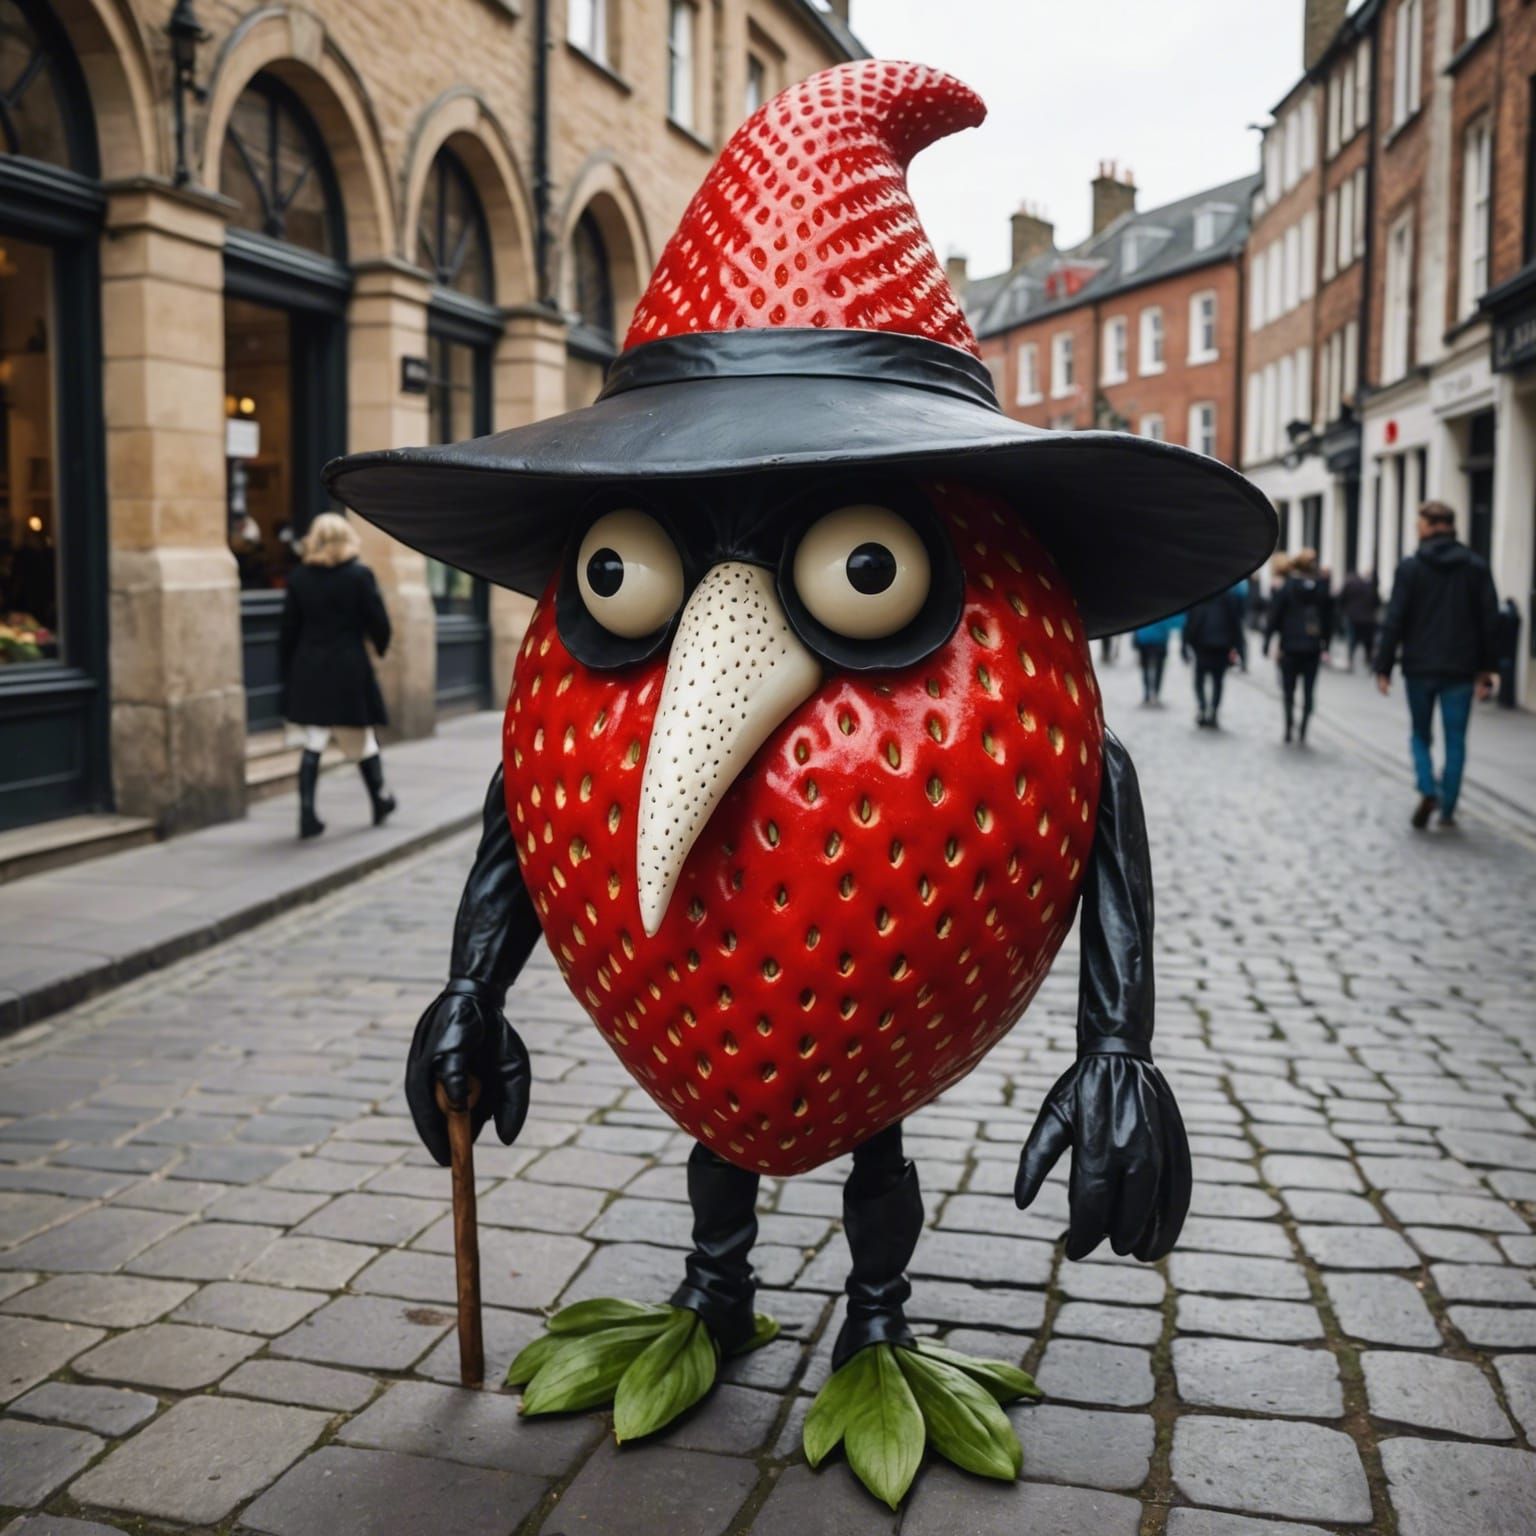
(1442, 623)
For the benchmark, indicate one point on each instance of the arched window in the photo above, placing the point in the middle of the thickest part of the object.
(453, 240)
(592, 282)
(274, 165)
(34, 120)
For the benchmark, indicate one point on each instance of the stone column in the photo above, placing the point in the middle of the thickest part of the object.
(529, 385)
(388, 321)
(177, 692)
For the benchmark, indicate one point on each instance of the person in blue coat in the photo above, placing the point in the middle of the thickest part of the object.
(1151, 642)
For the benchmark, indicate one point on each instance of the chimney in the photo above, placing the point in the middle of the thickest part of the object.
(956, 269)
(1033, 235)
(1113, 194)
(1320, 26)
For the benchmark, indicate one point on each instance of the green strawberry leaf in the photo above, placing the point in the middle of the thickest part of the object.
(764, 1331)
(884, 1436)
(608, 1312)
(1004, 1382)
(531, 1358)
(964, 1422)
(666, 1378)
(585, 1370)
(828, 1418)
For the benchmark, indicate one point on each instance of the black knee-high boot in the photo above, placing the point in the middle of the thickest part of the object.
(721, 1285)
(310, 824)
(372, 770)
(882, 1219)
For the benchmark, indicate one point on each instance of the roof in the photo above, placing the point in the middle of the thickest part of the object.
(832, 26)
(1137, 249)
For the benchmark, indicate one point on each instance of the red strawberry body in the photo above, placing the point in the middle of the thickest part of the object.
(876, 899)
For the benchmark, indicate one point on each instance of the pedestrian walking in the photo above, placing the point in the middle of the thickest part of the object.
(1509, 650)
(1360, 608)
(1301, 617)
(1214, 640)
(1151, 642)
(332, 605)
(1443, 622)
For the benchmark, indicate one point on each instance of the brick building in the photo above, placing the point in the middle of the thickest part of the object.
(1137, 328)
(332, 226)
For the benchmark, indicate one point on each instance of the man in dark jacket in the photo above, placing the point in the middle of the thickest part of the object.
(1214, 638)
(1443, 618)
(1301, 614)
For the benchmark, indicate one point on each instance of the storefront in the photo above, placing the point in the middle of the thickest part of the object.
(53, 579)
(286, 287)
(453, 243)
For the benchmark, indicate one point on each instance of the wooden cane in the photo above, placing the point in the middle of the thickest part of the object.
(466, 1234)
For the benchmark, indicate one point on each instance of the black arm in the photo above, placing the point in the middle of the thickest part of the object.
(464, 1034)
(1130, 1177)
(1392, 626)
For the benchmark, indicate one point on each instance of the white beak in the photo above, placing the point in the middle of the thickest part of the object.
(735, 671)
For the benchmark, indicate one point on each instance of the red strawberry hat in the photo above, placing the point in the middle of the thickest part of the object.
(799, 322)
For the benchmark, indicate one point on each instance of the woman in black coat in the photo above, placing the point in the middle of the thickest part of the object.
(1213, 640)
(332, 606)
(1302, 616)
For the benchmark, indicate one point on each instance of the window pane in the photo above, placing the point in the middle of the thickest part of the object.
(31, 114)
(287, 195)
(680, 84)
(757, 83)
(592, 285)
(30, 603)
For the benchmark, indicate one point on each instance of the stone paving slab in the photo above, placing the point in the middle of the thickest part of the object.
(219, 1194)
(37, 1459)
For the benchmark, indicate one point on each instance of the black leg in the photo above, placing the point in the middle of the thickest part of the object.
(720, 1284)
(882, 1220)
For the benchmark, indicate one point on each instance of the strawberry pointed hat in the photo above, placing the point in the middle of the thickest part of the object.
(799, 324)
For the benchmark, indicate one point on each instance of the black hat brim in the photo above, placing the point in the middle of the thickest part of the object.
(1140, 529)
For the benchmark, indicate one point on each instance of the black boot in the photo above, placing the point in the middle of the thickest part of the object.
(882, 1219)
(310, 824)
(721, 1285)
(372, 770)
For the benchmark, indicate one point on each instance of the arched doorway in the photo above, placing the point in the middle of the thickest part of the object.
(453, 244)
(286, 286)
(53, 755)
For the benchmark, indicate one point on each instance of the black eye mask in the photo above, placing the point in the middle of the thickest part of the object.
(713, 522)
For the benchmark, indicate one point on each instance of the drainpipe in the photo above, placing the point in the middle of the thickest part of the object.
(543, 236)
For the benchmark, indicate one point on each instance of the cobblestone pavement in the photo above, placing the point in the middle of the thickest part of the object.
(227, 1285)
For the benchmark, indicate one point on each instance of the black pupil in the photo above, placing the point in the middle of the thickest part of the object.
(605, 572)
(871, 569)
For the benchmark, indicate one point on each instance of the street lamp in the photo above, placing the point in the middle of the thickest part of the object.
(185, 33)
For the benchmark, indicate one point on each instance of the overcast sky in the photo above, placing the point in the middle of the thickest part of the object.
(1166, 87)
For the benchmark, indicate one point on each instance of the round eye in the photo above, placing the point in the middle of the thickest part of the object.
(630, 574)
(863, 572)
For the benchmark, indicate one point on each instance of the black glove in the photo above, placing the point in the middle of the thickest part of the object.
(1130, 1179)
(464, 1033)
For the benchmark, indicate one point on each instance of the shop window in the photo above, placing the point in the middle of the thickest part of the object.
(453, 240)
(275, 167)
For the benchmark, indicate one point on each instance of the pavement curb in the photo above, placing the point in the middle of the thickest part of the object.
(21, 1010)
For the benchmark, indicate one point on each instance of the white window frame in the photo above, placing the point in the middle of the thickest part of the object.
(1304, 385)
(1256, 315)
(1202, 327)
(1151, 341)
(682, 63)
(1330, 235)
(1309, 254)
(1274, 163)
(756, 91)
(1117, 351)
(1063, 365)
(1026, 389)
(1359, 180)
(1153, 427)
(1252, 428)
(1479, 17)
(1291, 244)
(1285, 407)
(1476, 206)
(1292, 150)
(1363, 83)
(1397, 315)
(1202, 427)
(1308, 120)
(1274, 274)
(1407, 61)
(1349, 366)
(1346, 222)
(587, 28)
(1347, 124)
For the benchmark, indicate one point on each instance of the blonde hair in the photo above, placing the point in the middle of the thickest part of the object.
(1305, 561)
(331, 540)
(1280, 566)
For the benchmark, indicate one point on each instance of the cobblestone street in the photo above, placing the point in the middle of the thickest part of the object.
(226, 1284)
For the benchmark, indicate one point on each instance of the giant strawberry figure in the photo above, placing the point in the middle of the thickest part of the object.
(805, 775)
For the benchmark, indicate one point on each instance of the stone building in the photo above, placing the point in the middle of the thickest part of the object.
(1138, 328)
(239, 238)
